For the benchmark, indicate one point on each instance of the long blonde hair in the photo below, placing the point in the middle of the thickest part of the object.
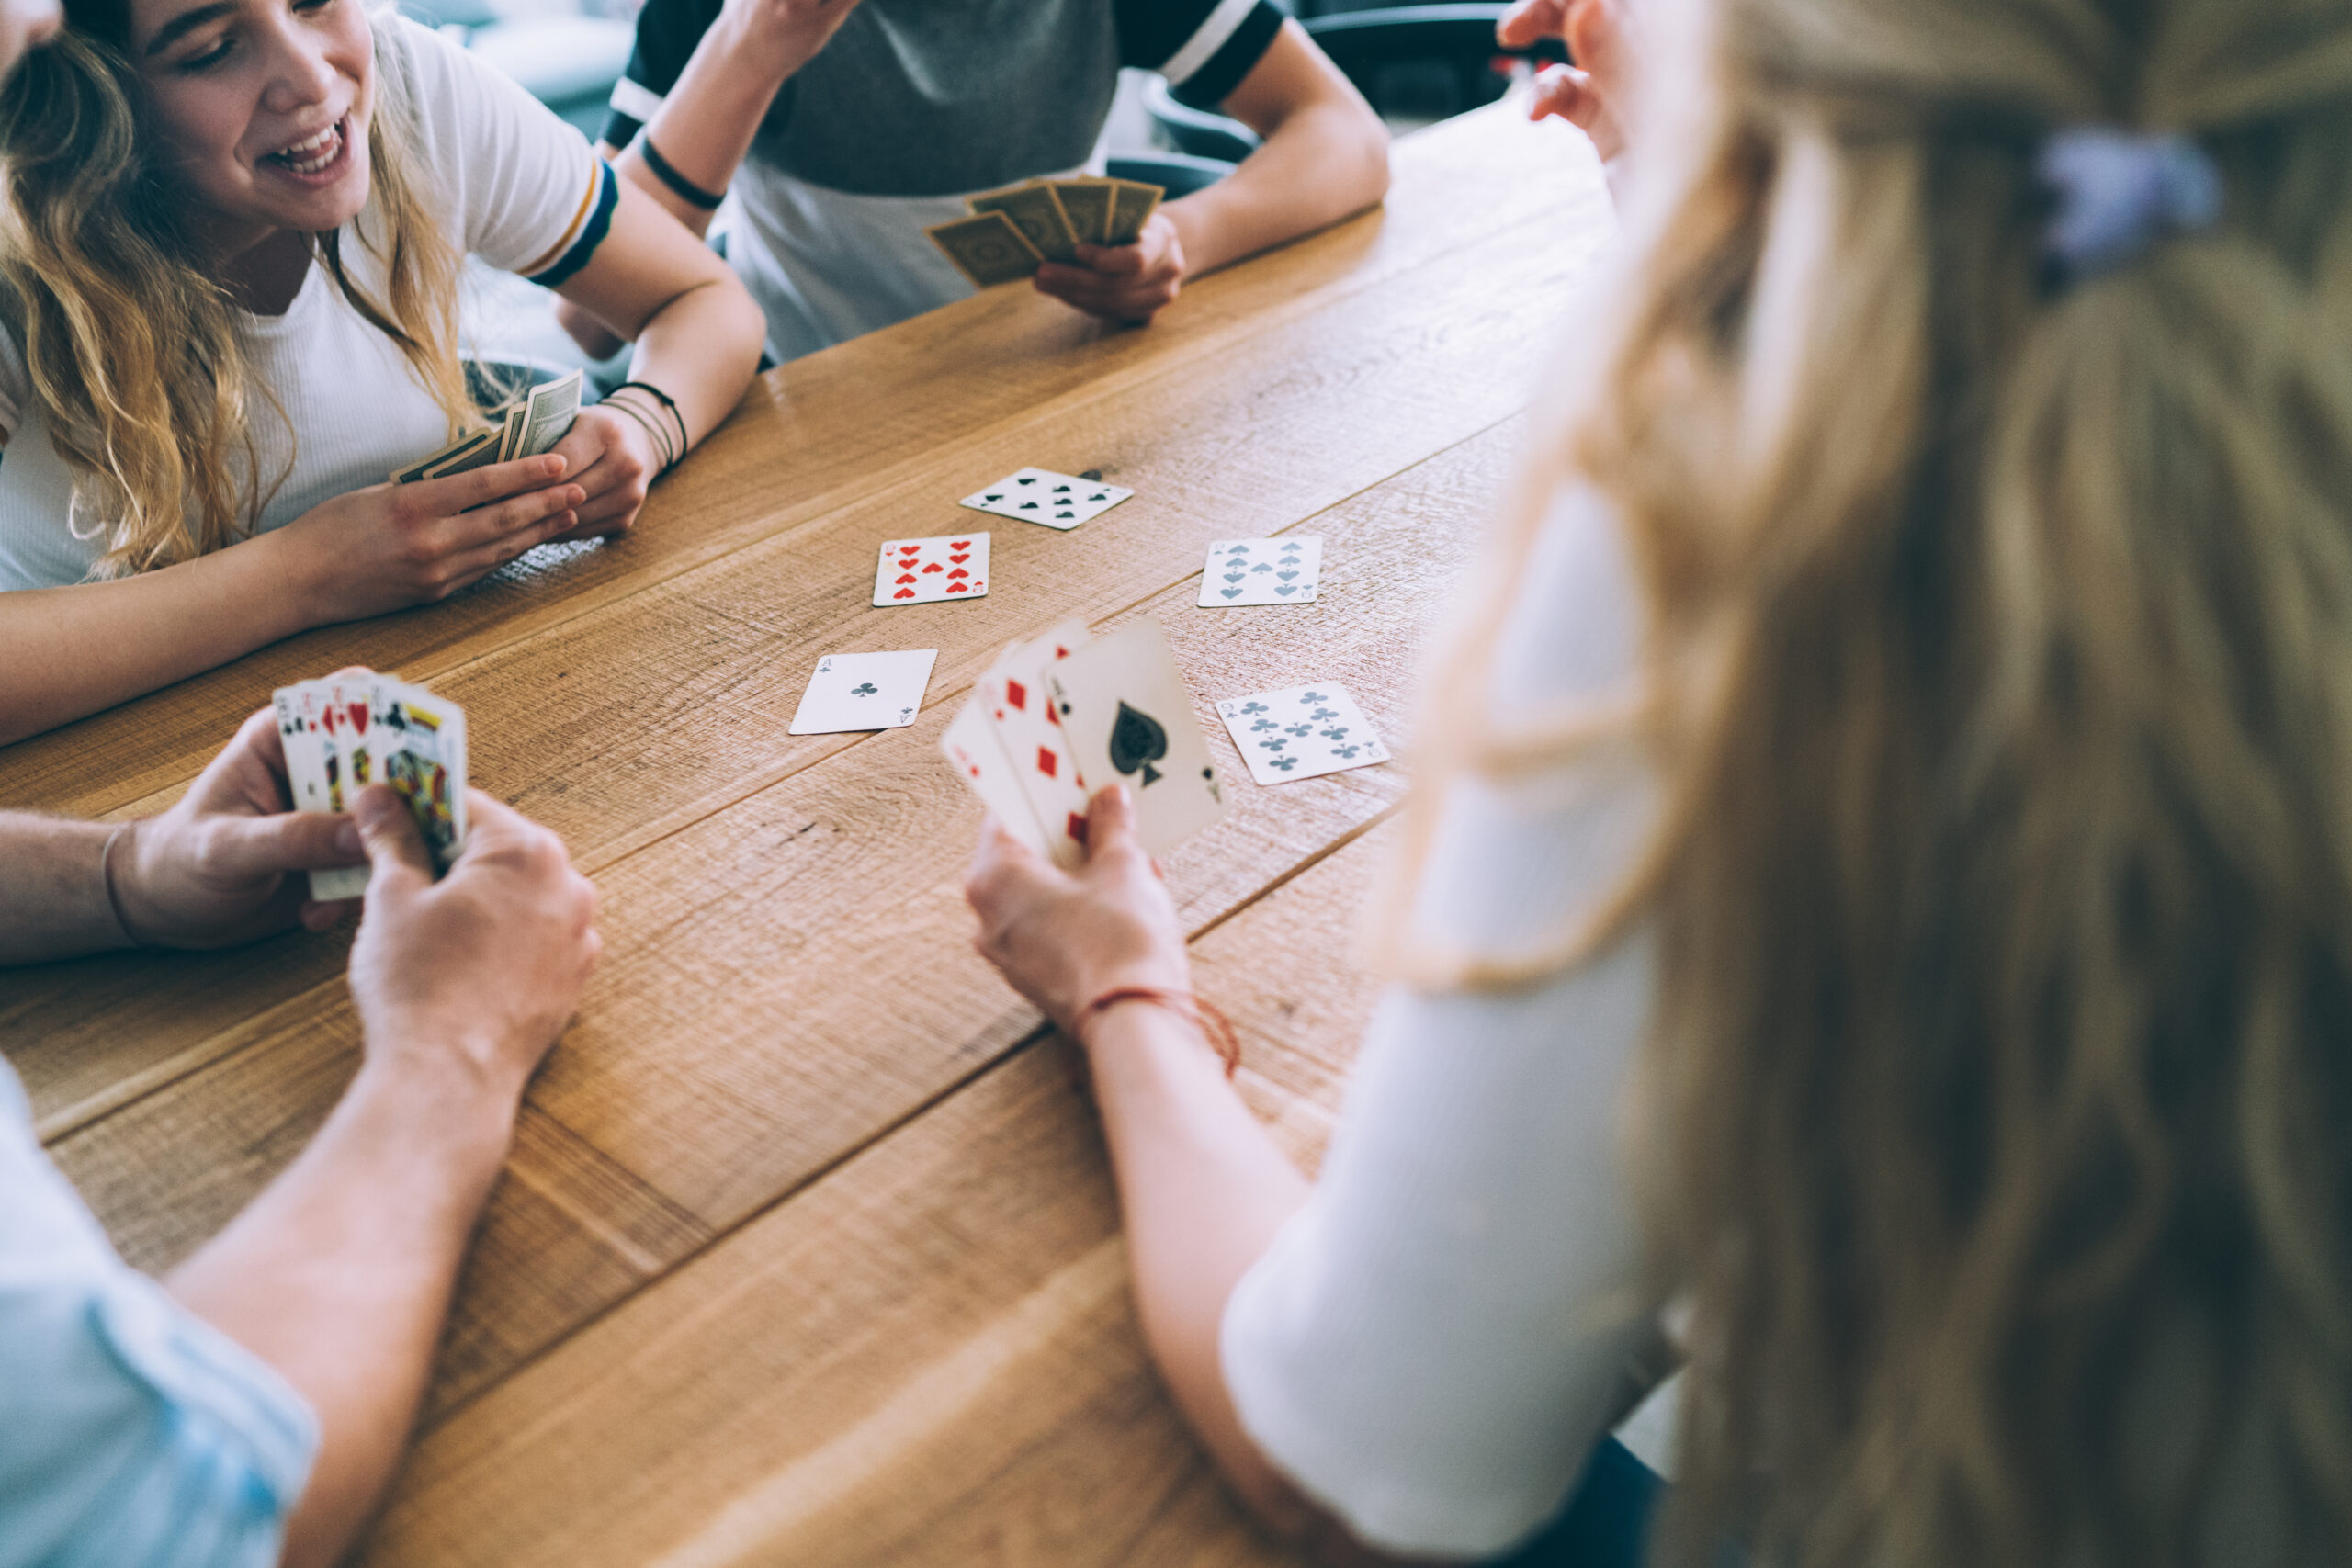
(131, 342)
(1998, 1118)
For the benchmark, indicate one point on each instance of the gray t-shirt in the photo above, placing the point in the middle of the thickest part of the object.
(910, 107)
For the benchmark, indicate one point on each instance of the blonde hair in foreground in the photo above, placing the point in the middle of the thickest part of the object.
(130, 338)
(1998, 1114)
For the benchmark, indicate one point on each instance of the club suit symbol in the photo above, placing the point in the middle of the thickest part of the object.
(864, 689)
(1138, 740)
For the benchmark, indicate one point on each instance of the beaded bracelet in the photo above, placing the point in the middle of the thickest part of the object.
(1214, 1027)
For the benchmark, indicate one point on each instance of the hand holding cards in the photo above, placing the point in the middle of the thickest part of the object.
(523, 428)
(1058, 717)
(1014, 231)
(346, 732)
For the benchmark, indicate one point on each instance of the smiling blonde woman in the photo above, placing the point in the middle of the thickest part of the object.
(231, 246)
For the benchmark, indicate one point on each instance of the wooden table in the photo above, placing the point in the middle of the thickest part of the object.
(807, 1252)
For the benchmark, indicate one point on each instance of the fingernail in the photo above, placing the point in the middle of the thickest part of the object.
(346, 839)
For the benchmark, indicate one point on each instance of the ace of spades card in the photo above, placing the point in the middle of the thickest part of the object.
(1262, 571)
(1301, 733)
(1042, 496)
(1128, 716)
(864, 691)
(928, 571)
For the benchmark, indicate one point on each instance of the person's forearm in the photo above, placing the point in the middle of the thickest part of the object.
(1322, 163)
(339, 1275)
(53, 897)
(701, 349)
(97, 644)
(707, 121)
(1202, 1189)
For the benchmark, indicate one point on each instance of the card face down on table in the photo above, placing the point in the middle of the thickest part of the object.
(343, 733)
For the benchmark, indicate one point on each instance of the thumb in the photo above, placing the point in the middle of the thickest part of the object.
(248, 849)
(395, 849)
(1111, 824)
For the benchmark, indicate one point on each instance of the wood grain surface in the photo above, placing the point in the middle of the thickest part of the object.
(807, 1251)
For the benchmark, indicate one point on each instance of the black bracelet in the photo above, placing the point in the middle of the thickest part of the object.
(685, 442)
(683, 188)
(654, 431)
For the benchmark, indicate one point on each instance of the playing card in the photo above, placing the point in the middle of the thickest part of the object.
(1132, 204)
(1301, 733)
(1029, 735)
(986, 248)
(547, 414)
(1040, 495)
(864, 691)
(422, 468)
(1128, 715)
(1037, 213)
(1262, 572)
(298, 733)
(509, 432)
(1087, 204)
(924, 571)
(971, 747)
(419, 744)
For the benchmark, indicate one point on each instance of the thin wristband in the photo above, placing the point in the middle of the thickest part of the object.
(684, 189)
(685, 442)
(654, 432)
(105, 879)
(1214, 1027)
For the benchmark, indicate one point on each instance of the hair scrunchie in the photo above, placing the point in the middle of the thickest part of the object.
(2119, 192)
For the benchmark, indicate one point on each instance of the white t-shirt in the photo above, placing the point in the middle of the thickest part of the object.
(1433, 1345)
(512, 184)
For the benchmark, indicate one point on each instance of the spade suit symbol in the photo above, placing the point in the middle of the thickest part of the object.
(1138, 740)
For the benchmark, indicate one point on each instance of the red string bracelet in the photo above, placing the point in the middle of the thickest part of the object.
(1214, 1027)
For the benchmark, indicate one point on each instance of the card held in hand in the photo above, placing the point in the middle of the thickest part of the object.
(1030, 735)
(1037, 213)
(1303, 732)
(1087, 204)
(927, 572)
(1128, 716)
(343, 733)
(1052, 499)
(986, 248)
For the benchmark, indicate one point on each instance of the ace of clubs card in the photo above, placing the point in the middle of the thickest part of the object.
(1128, 716)
(864, 691)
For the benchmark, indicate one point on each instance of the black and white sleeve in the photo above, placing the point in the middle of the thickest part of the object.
(1204, 47)
(667, 32)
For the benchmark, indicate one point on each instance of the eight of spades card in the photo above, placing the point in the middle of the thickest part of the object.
(1128, 715)
(925, 571)
(1040, 495)
(1301, 733)
(1262, 571)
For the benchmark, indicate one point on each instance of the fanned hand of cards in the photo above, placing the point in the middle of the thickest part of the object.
(345, 733)
(1058, 717)
(524, 428)
(1014, 231)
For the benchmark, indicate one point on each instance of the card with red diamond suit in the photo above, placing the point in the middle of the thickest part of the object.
(1030, 736)
(1301, 733)
(925, 571)
(1044, 497)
